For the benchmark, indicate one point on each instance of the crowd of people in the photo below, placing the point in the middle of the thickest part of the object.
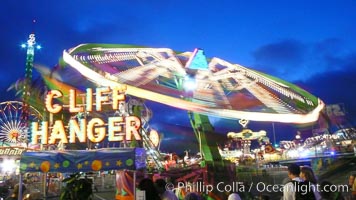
(301, 183)
(157, 190)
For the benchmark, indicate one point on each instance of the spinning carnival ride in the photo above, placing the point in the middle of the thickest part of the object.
(220, 88)
(194, 83)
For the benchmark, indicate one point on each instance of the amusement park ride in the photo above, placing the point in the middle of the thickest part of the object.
(187, 81)
(217, 88)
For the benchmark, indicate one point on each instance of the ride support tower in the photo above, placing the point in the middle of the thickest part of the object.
(30, 45)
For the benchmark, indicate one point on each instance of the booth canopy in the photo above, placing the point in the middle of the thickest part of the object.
(83, 160)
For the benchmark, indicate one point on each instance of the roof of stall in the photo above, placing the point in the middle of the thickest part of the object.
(83, 160)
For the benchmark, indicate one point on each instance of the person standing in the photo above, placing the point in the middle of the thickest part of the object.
(147, 185)
(165, 194)
(307, 174)
(327, 192)
(289, 188)
(352, 187)
(234, 196)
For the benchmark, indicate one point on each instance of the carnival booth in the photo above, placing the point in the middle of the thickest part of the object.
(72, 161)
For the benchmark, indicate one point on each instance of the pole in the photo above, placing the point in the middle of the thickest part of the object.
(134, 184)
(200, 147)
(20, 187)
(274, 134)
(44, 185)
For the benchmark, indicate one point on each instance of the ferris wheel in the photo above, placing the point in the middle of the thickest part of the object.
(12, 128)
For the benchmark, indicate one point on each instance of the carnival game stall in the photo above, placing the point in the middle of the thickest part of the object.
(73, 161)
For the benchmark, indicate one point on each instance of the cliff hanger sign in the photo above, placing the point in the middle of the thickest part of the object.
(95, 129)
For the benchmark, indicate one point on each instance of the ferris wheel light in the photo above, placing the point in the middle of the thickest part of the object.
(23, 45)
(38, 47)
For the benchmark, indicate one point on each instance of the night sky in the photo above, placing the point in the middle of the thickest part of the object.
(309, 43)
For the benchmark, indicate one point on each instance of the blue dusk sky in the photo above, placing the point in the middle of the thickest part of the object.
(309, 43)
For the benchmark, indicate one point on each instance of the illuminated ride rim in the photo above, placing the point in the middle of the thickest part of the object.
(12, 129)
(220, 89)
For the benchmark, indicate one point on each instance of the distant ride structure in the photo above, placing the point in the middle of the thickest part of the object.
(26, 91)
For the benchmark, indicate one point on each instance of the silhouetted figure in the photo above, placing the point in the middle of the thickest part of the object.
(148, 186)
(234, 196)
(164, 194)
(307, 174)
(327, 192)
(192, 196)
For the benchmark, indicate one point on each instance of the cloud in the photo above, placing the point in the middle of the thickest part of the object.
(336, 84)
(283, 52)
(280, 58)
(295, 60)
